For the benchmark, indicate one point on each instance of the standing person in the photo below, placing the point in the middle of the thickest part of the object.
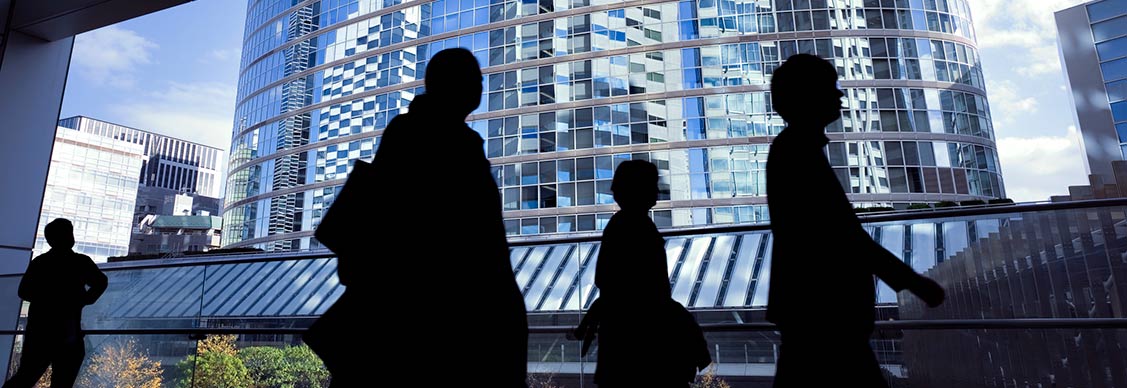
(55, 285)
(421, 243)
(646, 339)
(822, 292)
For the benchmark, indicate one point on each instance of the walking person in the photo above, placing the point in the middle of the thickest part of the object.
(421, 243)
(822, 291)
(645, 338)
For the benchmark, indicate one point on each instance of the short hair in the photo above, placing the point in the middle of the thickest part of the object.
(451, 70)
(59, 228)
(634, 175)
(798, 75)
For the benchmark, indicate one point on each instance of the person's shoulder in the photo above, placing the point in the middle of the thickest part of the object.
(783, 139)
(630, 220)
(397, 123)
(83, 258)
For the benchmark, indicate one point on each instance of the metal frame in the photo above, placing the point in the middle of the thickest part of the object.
(936, 324)
(942, 213)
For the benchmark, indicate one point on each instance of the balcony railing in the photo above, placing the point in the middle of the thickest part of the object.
(743, 354)
(1033, 299)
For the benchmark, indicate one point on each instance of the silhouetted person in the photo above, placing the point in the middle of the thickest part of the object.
(57, 284)
(646, 339)
(822, 292)
(426, 253)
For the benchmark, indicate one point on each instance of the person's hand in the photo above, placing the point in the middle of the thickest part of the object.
(930, 291)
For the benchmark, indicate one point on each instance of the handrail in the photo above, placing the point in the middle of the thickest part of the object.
(953, 212)
(928, 324)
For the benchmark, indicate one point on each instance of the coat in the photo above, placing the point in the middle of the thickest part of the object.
(823, 261)
(422, 245)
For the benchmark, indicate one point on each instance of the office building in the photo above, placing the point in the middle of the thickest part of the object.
(92, 182)
(573, 87)
(1093, 43)
(169, 162)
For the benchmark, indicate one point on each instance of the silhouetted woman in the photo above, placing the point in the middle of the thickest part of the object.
(646, 339)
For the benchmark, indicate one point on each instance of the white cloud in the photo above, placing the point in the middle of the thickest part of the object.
(221, 55)
(1025, 24)
(1039, 167)
(110, 55)
(199, 112)
(1006, 103)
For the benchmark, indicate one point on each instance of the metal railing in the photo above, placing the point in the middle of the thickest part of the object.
(937, 213)
(934, 324)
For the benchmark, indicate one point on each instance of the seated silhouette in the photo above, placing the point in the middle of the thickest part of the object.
(822, 293)
(422, 252)
(645, 338)
(57, 284)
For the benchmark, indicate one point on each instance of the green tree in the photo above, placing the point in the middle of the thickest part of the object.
(266, 366)
(216, 364)
(288, 367)
(307, 368)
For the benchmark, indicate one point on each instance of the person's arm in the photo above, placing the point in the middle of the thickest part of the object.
(96, 280)
(899, 275)
(29, 283)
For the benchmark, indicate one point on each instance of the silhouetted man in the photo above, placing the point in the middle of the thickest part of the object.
(822, 292)
(633, 281)
(55, 285)
(427, 253)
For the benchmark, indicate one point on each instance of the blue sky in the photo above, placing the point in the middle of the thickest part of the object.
(171, 72)
(175, 72)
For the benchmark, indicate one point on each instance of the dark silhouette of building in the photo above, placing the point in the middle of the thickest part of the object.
(825, 272)
(56, 286)
(369, 228)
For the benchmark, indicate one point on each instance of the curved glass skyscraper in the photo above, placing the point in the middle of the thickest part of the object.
(573, 87)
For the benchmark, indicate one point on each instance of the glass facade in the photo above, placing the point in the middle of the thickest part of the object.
(167, 162)
(1052, 262)
(1108, 20)
(574, 87)
(92, 182)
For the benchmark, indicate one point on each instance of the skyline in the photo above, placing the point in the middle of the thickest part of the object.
(194, 84)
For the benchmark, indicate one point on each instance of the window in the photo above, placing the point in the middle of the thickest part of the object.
(1112, 49)
(1117, 91)
(1114, 70)
(1106, 9)
(1110, 28)
(1119, 111)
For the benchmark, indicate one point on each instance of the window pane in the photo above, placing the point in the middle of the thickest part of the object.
(1112, 49)
(1106, 9)
(1114, 70)
(898, 180)
(1117, 91)
(1110, 29)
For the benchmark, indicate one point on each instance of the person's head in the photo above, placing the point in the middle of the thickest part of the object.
(453, 78)
(59, 234)
(635, 185)
(804, 92)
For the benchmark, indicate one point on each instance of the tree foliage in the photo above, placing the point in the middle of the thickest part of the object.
(289, 367)
(216, 364)
(121, 365)
(710, 380)
(542, 380)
